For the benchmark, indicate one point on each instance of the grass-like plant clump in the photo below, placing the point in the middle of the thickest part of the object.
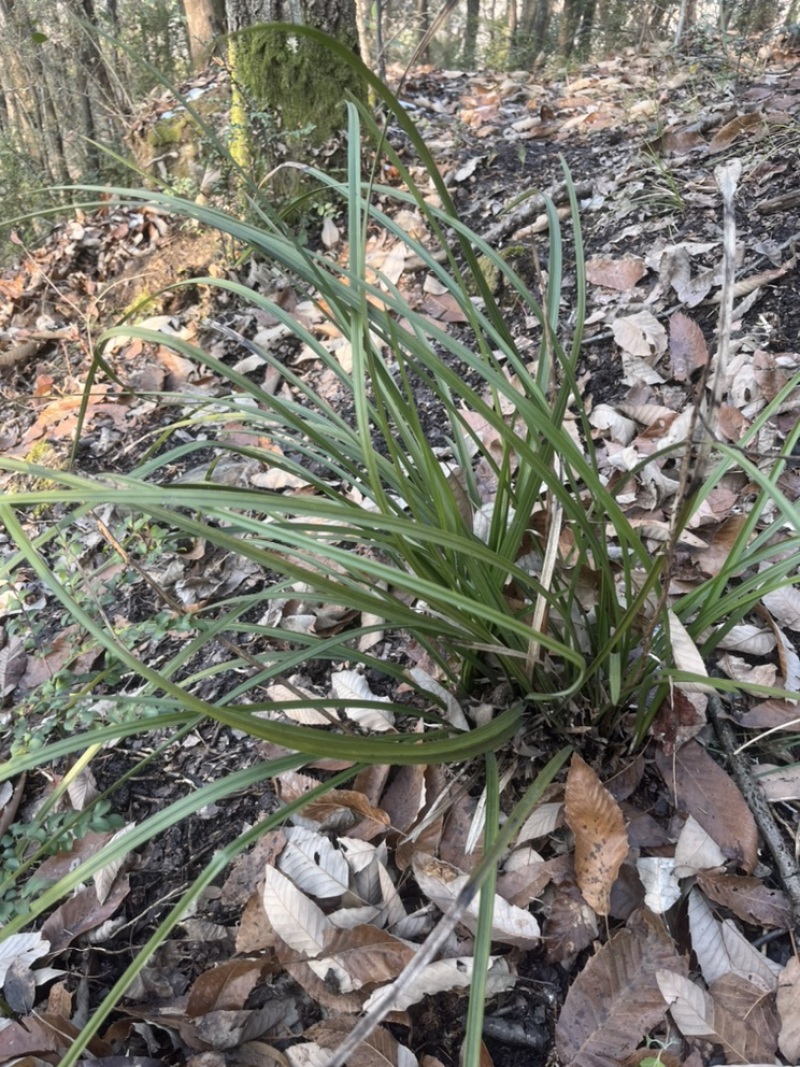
(506, 557)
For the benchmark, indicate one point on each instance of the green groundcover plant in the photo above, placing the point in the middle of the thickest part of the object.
(405, 541)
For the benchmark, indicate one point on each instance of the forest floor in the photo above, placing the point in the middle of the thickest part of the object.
(641, 137)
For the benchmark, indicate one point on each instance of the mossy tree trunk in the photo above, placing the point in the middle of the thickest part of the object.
(301, 84)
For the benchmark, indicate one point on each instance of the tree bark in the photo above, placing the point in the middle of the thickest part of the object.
(471, 33)
(205, 24)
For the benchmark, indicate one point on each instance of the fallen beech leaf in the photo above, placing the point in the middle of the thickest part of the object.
(350, 685)
(703, 789)
(224, 988)
(641, 335)
(708, 943)
(697, 1014)
(779, 783)
(621, 274)
(686, 656)
(615, 998)
(81, 913)
(361, 956)
(380, 1049)
(446, 975)
(788, 1001)
(724, 137)
(570, 925)
(696, 850)
(313, 864)
(510, 925)
(747, 897)
(296, 919)
(746, 1000)
(688, 351)
(746, 959)
(601, 842)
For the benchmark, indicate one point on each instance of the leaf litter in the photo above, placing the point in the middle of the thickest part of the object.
(635, 905)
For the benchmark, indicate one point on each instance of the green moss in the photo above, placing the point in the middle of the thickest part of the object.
(168, 131)
(512, 254)
(299, 80)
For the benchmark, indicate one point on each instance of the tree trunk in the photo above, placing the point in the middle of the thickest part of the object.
(471, 33)
(205, 23)
(423, 14)
(300, 83)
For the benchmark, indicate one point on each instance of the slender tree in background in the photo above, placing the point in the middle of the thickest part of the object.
(205, 23)
(471, 34)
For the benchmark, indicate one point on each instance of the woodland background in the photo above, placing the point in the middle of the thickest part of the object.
(73, 72)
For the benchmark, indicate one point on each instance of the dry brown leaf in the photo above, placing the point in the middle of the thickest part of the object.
(779, 783)
(751, 121)
(621, 274)
(361, 956)
(297, 920)
(688, 351)
(601, 842)
(224, 988)
(313, 864)
(641, 334)
(703, 789)
(442, 885)
(788, 1002)
(746, 897)
(247, 870)
(615, 999)
(686, 655)
(747, 1001)
(772, 714)
(698, 1014)
(405, 796)
(570, 924)
(380, 1049)
(81, 913)
(255, 932)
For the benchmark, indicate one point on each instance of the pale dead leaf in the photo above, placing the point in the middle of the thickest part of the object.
(641, 335)
(82, 789)
(601, 841)
(748, 638)
(330, 233)
(543, 820)
(352, 686)
(784, 605)
(708, 944)
(453, 712)
(449, 974)
(696, 850)
(661, 886)
(686, 656)
(621, 274)
(104, 878)
(296, 919)
(313, 864)
(510, 925)
(697, 1014)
